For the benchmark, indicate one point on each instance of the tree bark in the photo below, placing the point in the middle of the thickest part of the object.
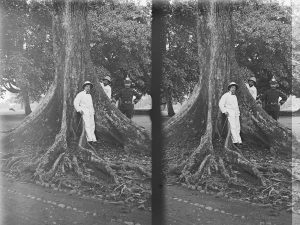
(170, 104)
(26, 102)
(197, 142)
(51, 142)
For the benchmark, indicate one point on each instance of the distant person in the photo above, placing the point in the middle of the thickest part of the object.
(83, 104)
(271, 99)
(106, 85)
(251, 87)
(125, 98)
(229, 106)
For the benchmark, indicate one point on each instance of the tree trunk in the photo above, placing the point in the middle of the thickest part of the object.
(170, 104)
(26, 102)
(198, 144)
(50, 142)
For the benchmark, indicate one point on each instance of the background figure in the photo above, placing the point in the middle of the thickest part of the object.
(229, 105)
(125, 97)
(106, 85)
(83, 104)
(251, 87)
(271, 99)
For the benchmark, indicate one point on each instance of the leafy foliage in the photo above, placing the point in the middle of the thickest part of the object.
(264, 42)
(26, 53)
(296, 48)
(121, 43)
(180, 64)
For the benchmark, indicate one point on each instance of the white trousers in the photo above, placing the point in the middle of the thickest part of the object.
(235, 127)
(89, 125)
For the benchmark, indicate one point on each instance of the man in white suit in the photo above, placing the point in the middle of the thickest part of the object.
(229, 105)
(83, 103)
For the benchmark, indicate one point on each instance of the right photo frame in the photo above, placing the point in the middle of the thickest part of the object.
(225, 84)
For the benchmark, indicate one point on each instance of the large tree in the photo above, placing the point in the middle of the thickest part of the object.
(198, 143)
(50, 143)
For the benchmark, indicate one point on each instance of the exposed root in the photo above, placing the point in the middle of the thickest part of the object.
(201, 167)
(11, 162)
(84, 177)
(48, 175)
(199, 162)
(130, 166)
(275, 169)
(223, 170)
(177, 169)
(59, 146)
(204, 161)
(104, 167)
(243, 163)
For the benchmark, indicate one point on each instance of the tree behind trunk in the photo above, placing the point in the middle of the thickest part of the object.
(170, 104)
(26, 102)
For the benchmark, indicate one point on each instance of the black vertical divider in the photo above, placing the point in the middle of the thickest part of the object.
(158, 46)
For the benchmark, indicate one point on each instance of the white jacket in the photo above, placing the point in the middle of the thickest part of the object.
(228, 103)
(84, 102)
(107, 90)
(252, 90)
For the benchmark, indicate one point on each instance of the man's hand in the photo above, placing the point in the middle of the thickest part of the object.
(258, 97)
(81, 112)
(226, 113)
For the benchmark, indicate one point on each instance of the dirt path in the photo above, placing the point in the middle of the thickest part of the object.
(30, 204)
(185, 206)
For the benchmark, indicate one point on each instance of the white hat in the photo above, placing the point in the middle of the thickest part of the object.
(107, 78)
(273, 81)
(127, 80)
(231, 84)
(253, 79)
(86, 83)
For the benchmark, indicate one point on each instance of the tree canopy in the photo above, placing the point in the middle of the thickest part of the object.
(120, 45)
(263, 44)
(120, 40)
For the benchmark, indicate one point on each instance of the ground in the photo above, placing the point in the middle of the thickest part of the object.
(28, 203)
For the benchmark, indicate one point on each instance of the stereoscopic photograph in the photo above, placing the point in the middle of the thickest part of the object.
(139, 112)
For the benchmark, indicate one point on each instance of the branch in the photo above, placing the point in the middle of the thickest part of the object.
(10, 88)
